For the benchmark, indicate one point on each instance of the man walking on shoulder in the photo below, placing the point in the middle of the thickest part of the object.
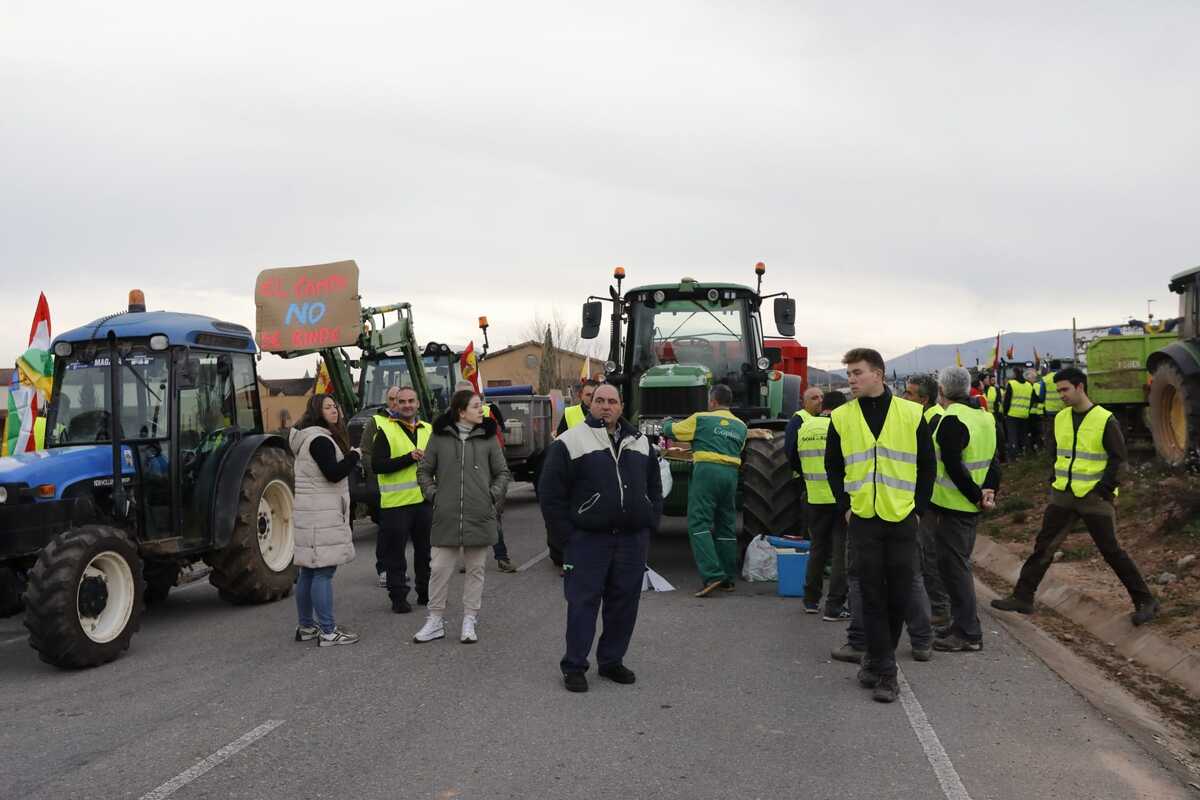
(601, 495)
(717, 438)
(881, 466)
(1091, 453)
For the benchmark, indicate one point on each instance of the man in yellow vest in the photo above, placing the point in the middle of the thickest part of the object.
(404, 515)
(1090, 455)
(810, 406)
(880, 463)
(968, 476)
(1018, 397)
(826, 525)
(366, 444)
(933, 604)
(1053, 405)
(1037, 411)
(576, 414)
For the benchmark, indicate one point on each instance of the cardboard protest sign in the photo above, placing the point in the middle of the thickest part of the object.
(307, 308)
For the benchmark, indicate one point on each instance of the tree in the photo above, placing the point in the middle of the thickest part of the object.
(557, 337)
(548, 371)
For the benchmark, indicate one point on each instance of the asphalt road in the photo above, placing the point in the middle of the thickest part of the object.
(736, 697)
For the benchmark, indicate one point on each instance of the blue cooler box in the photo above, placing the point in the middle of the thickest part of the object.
(791, 560)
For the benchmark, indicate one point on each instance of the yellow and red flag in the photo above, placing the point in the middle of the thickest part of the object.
(957, 358)
(324, 385)
(586, 371)
(1010, 353)
(995, 359)
(468, 364)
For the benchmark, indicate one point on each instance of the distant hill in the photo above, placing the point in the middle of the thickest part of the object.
(819, 377)
(1053, 344)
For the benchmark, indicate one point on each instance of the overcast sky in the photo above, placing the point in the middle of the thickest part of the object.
(912, 173)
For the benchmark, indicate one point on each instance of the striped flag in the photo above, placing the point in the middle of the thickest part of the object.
(324, 385)
(31, 384)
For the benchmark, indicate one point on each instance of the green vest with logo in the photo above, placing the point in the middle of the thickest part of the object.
(1081, 455)
(810, 444)
(400, 488)
(977, 456)
(1022, 398)
(881, 474)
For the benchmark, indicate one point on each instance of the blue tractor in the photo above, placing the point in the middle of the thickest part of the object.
(155, 459)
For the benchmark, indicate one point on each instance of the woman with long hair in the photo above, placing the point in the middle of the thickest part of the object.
(324, 459)
(464, 474)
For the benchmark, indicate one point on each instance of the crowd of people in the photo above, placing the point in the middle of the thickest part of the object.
(893, 489)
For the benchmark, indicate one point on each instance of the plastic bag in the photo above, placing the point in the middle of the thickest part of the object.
(759, 564)
(664, 470)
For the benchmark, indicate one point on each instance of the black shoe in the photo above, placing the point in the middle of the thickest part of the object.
(401, 606)
(953, 643)
(575, 681)
(868, 679)
(922, 653)
(812, 607)
(728, 586)
(1145, 612)
(422, 599)
(1013, 603)
(847, 653)
(887, 690)
(618, 673)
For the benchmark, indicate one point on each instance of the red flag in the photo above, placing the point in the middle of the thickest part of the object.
(468, 364)
(996, 354)
(40, 338)
(1010, 352)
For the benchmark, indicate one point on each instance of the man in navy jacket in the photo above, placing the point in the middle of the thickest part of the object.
(601, 496)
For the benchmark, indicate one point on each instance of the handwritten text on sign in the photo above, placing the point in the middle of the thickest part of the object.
(305, 308)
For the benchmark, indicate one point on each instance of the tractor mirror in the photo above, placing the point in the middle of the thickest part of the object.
(785, 316)
(593, 316)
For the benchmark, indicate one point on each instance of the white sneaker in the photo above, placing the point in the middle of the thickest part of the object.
(468, 630)
(433, 628)
(383, 580)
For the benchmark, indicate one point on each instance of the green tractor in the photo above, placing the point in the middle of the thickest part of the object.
(1175, 379)
(669, 343)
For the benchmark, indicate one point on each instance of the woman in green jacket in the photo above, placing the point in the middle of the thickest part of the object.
(464, 475)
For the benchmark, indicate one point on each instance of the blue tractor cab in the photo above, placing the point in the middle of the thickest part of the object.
(155, 458)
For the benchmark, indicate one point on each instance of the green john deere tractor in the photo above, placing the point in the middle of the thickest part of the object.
(1175, 380)
(669, 343)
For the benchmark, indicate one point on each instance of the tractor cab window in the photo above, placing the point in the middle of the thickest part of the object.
(82, 404)
(381, 374)
(711, 334)
(1189, 309)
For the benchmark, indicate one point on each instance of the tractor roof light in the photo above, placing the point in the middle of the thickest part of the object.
(63, 349)
(137, 301)
(760, 268)
(659, 295)
(159, 342)
(619, 273)
(483, 323)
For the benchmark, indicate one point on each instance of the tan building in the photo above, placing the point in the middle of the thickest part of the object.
(522, 364)
(283, 400)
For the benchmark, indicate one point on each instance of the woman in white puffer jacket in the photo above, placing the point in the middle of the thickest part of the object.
(321, 520)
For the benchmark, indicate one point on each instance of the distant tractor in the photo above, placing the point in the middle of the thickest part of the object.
(1175, 383)
(156, 458)
(1117, 376)
(670, 343)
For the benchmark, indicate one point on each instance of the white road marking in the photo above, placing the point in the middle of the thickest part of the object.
(228, 751)
(947, 776)
(534, 560)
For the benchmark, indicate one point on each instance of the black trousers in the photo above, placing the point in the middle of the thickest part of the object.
(1016, 431)
(1100, 517)
(397, 527)
(885, 555)
(827, 529)
(605, 579)
(955, 541)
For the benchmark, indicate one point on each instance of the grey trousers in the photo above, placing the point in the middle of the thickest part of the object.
(927, 548)
(956, 540)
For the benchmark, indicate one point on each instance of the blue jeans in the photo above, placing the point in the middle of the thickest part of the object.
(314, 595)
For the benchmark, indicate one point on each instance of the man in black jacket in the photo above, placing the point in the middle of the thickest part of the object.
(601, 518)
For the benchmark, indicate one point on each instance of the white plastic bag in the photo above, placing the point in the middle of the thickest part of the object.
(664, 469)
(759, 564)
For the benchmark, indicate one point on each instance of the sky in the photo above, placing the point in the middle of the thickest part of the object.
(911, 173)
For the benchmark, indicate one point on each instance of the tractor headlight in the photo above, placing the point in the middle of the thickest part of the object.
(3, 495)
(159, 342)
(610, 367)
(659, 296)
(764, 362)
(63, 349)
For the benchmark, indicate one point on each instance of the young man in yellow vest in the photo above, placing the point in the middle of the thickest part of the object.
(995, 403)
(1090, 455)
(880, 463)
(366, 444)
(1053, 405)
(404, 515)
(826, 525)
(1037, 411)
(968, 476)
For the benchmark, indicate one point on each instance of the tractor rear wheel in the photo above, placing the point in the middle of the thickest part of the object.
(256, 566)
(10, 592)
(83, 602)
(769, 502)
(1171, 395)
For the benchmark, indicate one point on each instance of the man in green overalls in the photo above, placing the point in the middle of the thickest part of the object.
(717, 438)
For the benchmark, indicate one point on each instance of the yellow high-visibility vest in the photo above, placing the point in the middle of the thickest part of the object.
(400, 488)
(804, 417)
(1081, 455)
(881, 474)
(933, 417)
(1054, 403)
(977, 456)
(1022, 398)
(39, 433)
(992, 395)
(574, 415)
(810, 444)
